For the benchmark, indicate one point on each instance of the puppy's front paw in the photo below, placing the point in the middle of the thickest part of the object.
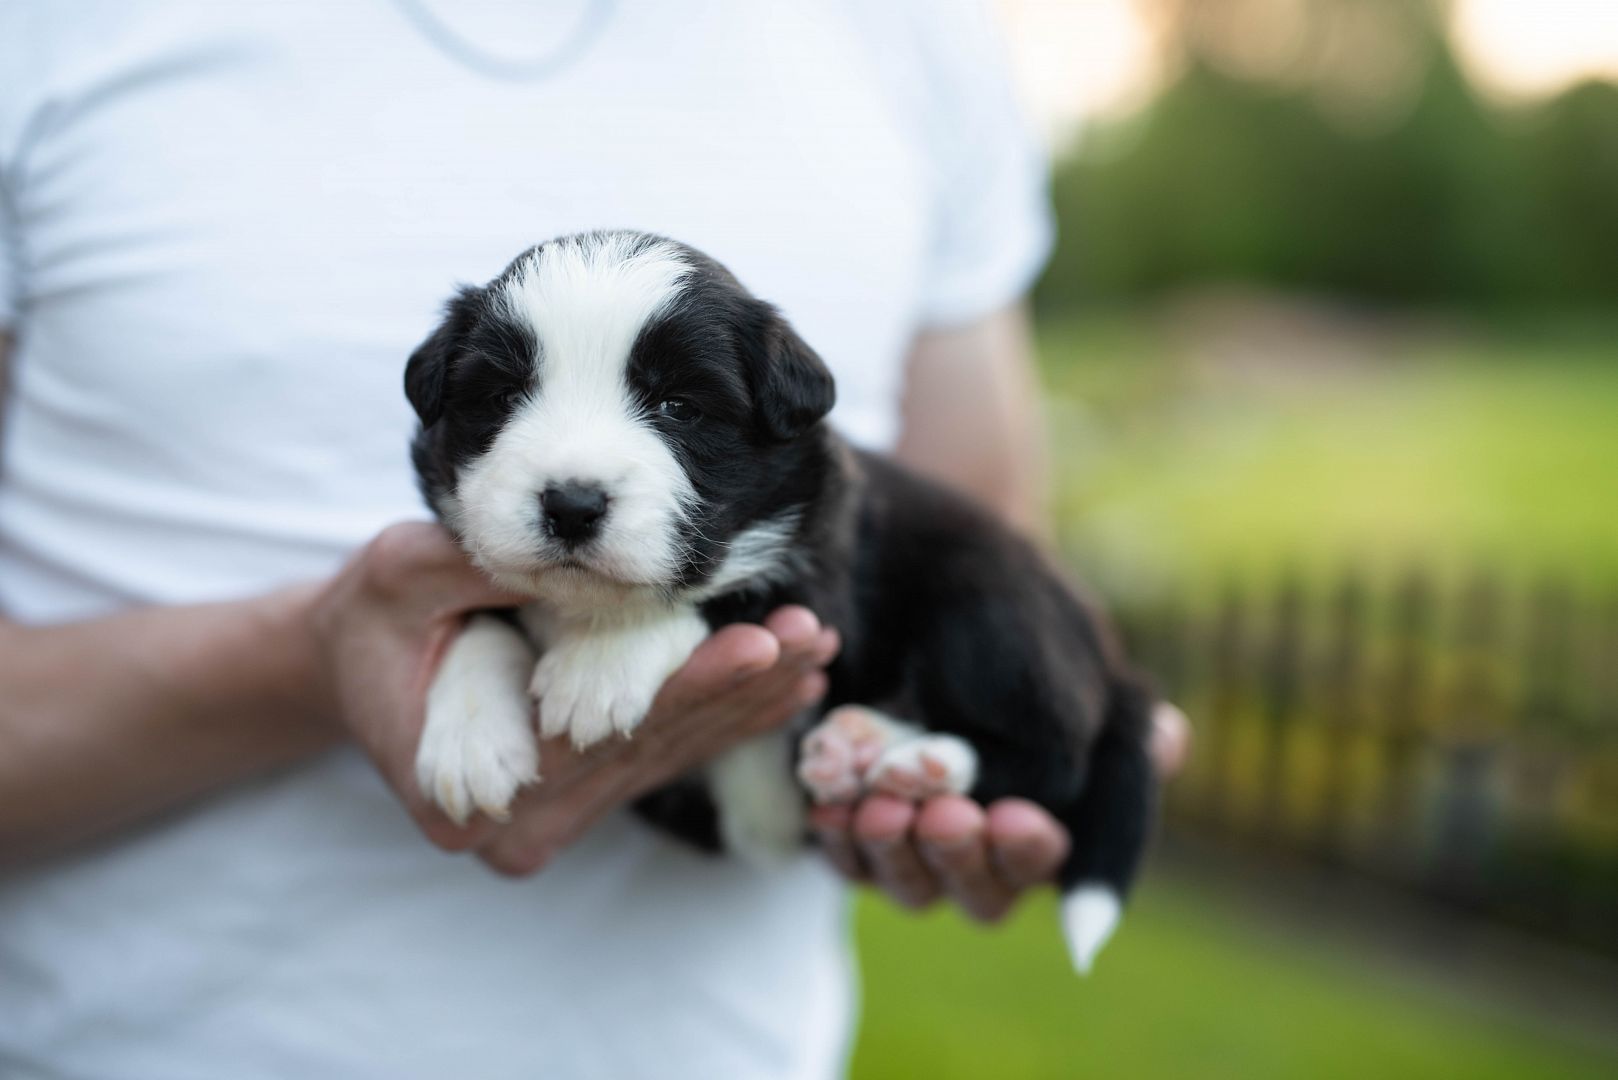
(836, 753)
(600, 681)
(924, 767)
(476, 751)
(579, 700)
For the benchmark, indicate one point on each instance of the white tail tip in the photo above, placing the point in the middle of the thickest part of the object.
(1089, 916)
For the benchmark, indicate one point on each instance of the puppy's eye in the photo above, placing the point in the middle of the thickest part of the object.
(676, 409)
(513, 396)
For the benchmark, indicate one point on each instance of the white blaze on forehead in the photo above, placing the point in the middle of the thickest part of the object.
(586, 300)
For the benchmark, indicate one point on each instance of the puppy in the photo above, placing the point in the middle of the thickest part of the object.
(617, 428)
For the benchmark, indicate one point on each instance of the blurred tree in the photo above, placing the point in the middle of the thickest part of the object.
(1573, 155)
(1336, 145)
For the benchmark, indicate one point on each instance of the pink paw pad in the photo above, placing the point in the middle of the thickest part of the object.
(836, 754)
(926, 767)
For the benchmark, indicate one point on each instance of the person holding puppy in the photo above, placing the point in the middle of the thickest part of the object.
(222, 227)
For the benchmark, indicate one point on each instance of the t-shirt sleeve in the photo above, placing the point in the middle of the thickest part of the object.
(992, 226)
(10, 281)
(15, 64)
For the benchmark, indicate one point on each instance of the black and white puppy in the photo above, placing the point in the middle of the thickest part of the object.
(617, 428)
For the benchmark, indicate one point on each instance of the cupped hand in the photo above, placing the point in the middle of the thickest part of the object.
(383, 624)
(983, 859)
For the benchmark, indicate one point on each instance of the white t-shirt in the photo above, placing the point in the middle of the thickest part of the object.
(224, 227)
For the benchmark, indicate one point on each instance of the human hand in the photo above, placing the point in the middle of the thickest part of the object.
(385, 621)
(981, 858)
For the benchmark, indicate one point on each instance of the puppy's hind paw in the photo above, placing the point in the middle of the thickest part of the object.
(834, 756)
(924, 767)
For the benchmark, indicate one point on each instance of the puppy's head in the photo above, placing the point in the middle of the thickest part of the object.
(616, 414)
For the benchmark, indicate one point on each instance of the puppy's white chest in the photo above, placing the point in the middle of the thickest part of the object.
(599, 675)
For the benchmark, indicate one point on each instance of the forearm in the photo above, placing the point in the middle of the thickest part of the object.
(973, 419)
(109, 720)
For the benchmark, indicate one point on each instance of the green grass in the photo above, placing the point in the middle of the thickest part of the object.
(1175, 469)
(1190, 988)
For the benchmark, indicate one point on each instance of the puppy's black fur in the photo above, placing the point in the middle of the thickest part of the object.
(951, 621)
(947, 618)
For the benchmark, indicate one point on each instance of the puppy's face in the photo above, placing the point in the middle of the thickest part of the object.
(613, 415)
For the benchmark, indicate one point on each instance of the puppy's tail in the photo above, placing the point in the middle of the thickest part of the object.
(1109, 822)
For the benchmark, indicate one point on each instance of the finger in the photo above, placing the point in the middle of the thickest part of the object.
(1026, 844)
(832, 816)
(733, 654)
(808, 689)
(833, 829)
(768, 701)
(743, 654)
(544, 820)
(882, 836)
(517, 853)
(447, 835)
(794, 626)
(1170, 741)
(685, 737)
(951, 835)
(751, 702)
(790, 688)
(827, 646)
(798, 681)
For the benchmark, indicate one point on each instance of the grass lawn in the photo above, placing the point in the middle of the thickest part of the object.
(1186, 456)
(1191, 987)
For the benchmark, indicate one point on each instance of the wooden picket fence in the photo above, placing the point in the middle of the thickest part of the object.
(1458, 740)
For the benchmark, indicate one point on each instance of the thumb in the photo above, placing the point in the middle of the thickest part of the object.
(425, 554)
(464, 586)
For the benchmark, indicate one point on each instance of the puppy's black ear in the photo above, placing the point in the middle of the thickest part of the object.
(792, 389)
(429, 365)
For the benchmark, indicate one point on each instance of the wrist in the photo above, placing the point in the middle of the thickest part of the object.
(297, 676)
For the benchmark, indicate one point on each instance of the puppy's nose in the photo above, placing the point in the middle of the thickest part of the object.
(573, 511)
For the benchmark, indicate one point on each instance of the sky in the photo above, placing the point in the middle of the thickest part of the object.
(1077, 59)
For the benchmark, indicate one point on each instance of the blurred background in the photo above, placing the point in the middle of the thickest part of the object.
(1330, 340)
